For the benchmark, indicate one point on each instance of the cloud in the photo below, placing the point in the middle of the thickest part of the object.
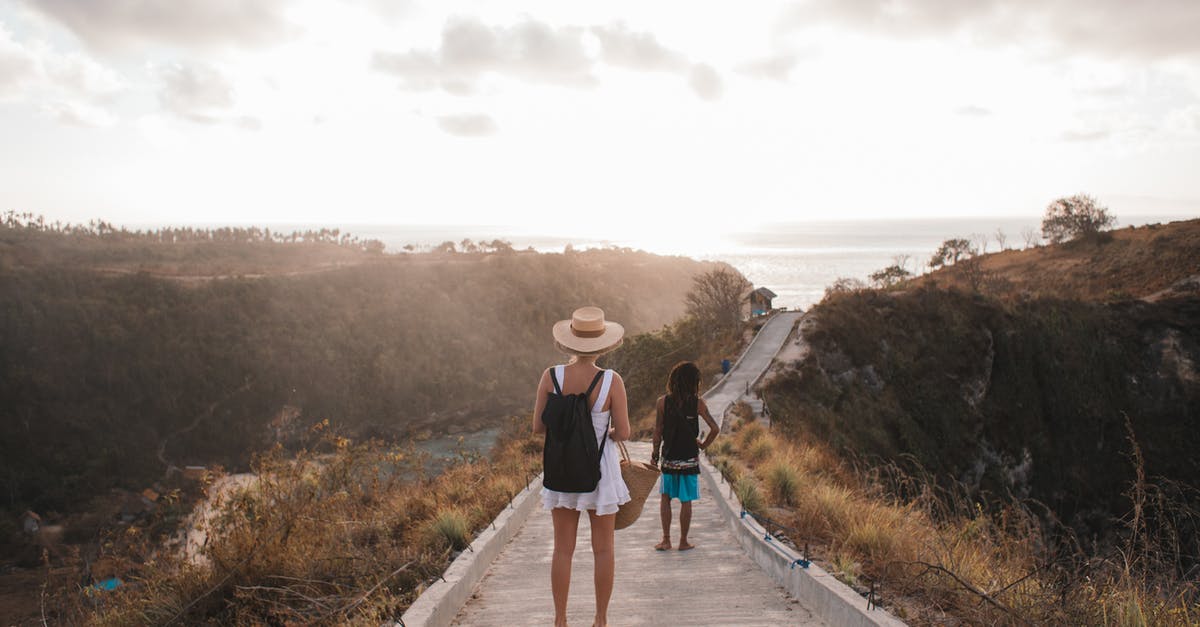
(467, 125)
(79, 114)
(1085, 136)
(530, 50)
(18, 65)
(705, 82)
(777, 67)
(70, 88)
(1115, 28)
(637, 51)
(81, 75)
(973, 111)
(535, 52)
(123, 24)
(195, 93)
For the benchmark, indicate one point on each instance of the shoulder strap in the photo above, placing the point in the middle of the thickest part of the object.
(556, 375)
(604, 387)
(595, 380)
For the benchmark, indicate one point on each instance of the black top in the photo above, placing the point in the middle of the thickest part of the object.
(681, 427)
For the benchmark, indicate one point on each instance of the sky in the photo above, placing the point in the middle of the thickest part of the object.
(594, 118)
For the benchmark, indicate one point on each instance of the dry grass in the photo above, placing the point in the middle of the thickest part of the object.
(934, 555)
(347, 536)
(1112, 267)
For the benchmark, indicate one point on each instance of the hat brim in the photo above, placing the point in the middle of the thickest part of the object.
(611, 338)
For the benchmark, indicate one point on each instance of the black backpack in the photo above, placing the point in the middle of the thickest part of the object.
(571, 457)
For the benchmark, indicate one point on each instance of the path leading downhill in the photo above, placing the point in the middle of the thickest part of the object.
(755, 360)
(713, 584)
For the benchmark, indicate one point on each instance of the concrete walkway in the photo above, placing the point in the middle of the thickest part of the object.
(714, 584)
(755, 361)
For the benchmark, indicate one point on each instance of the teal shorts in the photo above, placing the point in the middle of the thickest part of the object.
(683, 487)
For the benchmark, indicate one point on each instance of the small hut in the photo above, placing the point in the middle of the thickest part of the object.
(759, 301)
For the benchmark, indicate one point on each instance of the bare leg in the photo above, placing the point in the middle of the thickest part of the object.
(664, 511)
(602, 550)
(685, 522)
(566, 526)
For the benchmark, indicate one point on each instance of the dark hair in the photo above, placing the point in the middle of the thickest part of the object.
(683, 384)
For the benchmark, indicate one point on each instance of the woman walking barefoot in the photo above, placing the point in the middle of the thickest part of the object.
(585, 337)
(677, 429)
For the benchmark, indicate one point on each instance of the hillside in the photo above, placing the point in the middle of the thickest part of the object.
(1044, 397)
(108, 378)
(1134, 262)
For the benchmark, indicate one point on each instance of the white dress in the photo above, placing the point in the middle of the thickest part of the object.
(611, 491)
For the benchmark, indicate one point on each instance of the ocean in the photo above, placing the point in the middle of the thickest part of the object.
(795, 260)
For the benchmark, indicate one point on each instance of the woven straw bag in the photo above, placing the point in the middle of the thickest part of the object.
(640, 478)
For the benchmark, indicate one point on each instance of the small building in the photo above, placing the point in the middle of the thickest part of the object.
(31, 523)
(758, 301)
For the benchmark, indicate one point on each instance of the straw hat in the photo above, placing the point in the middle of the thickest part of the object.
(587, 332)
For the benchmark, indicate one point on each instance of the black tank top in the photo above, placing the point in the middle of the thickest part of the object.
(681, 427)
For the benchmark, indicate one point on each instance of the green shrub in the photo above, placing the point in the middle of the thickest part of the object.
(783, 482)
(450, 526)
(747, 492)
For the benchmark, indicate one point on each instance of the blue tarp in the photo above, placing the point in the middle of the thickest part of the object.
(108, 585)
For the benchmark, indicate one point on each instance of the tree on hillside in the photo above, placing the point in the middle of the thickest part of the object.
(951, 251)
(889, 276)
(716, 298)
(1075, 217)
(1030, 236)
(845, 285)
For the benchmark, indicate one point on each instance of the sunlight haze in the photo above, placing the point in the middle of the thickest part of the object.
(698, 118)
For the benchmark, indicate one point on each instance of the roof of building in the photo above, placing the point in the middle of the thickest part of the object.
(762, 291)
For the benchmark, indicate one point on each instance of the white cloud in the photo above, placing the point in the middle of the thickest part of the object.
(530, 50)
(82, 75)
(69, 87)
(536, 52)
(467, 125)
(637, 50)
(79, 114)
(775, 67)
(17, 64)
(1111, 28)
(1085, 135)
(973, 111)
(705, 82)
(125, 24)
(201, 94)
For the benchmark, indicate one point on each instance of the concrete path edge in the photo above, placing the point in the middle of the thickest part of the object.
(831, 600)
(439, 603)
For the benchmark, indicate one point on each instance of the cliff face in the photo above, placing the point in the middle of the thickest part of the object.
(1031, 399)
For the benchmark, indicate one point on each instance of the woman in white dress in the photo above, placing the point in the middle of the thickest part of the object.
(585, 337)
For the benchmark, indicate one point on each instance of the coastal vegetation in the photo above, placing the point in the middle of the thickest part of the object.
(932, 553)
(129, 356)
(1006, 442)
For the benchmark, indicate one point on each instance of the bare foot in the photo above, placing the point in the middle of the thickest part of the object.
(665, 545)
(684, 546)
